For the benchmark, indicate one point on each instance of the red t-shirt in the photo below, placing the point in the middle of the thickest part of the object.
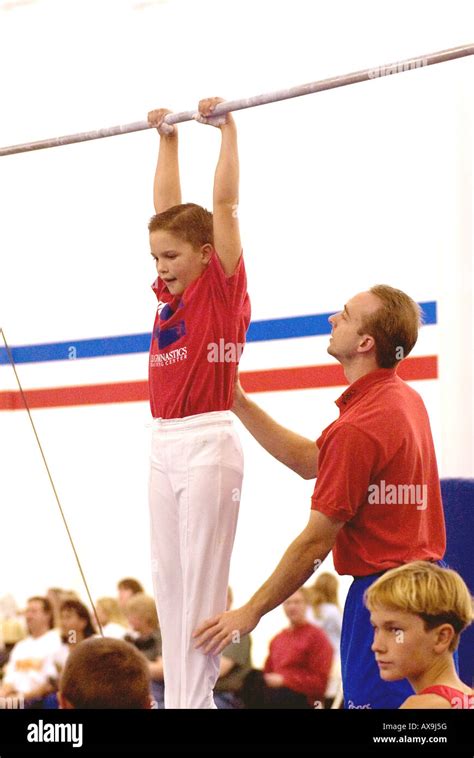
(377, 472)
(197, 341)
(303, 656)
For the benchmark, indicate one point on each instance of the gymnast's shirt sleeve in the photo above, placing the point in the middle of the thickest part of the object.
(231, 290)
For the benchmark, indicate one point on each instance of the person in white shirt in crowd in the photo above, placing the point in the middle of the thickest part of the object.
(25, 675)
(324, 611)
(111, 617)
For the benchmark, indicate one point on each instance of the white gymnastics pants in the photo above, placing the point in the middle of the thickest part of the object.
(195, 482)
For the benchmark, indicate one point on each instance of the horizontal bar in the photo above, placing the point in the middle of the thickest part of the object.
(291, 327)
(272, 97)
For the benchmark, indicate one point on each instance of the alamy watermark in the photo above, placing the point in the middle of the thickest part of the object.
(398, 494)
(44, 731)
(466, 702)
(224, 352)
(12, 702)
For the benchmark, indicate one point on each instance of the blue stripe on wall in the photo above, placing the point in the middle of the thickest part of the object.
(259, 331)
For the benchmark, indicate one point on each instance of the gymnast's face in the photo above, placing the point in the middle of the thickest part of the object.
(178, 263)
(347, 340)
(403, 647)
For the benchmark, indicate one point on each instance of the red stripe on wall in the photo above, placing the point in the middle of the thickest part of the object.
(88, 394)
(273, 380)
(308, 377)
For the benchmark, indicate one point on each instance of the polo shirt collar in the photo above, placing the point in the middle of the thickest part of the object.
(361, 385)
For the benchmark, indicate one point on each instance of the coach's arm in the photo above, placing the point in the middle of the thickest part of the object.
(304, 555)
(297, 452)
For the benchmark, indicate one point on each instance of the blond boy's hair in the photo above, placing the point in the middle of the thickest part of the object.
(437, 595)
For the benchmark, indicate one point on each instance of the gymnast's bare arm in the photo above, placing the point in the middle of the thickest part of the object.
(297, 452)
(226, 187)
(166, 187)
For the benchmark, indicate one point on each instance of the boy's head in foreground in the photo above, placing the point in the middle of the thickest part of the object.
(418, 612)
(105, 673)
(181, 241)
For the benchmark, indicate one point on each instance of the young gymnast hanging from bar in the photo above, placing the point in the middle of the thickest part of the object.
(196, 457)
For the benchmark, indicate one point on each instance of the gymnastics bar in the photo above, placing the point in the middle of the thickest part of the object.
(272, 97)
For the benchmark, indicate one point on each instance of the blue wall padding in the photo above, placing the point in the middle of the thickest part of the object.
(458, 500)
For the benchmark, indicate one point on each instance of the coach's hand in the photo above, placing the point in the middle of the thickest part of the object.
(214, 634)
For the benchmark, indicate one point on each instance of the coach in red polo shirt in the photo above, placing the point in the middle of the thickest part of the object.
(377, 500)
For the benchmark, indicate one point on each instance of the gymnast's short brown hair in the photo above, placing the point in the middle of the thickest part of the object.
(189, 221)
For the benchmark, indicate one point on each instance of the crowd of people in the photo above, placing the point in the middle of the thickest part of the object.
(59, 654)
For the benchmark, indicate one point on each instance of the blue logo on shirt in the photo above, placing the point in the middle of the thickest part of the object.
(168, 336)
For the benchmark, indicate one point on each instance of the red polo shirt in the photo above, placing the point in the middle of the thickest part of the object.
(377, 472)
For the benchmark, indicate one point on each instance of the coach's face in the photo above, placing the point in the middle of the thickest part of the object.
(347, 340)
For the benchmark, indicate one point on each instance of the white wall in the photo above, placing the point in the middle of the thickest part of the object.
(340, 190)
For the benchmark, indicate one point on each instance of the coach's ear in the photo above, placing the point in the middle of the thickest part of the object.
(64, 703)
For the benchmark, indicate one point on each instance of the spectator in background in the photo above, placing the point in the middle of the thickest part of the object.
(105, 673)
(235, 664)
(75, 626)
(323, 610)
(25, 673)
(142, 617)
(126, 588)
(111, 618)
(12, 627)
(323, 607)
(56, 597)
(297, 669)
